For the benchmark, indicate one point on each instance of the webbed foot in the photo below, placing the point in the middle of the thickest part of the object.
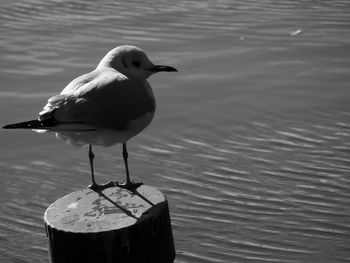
(101, 187)
(130, 185)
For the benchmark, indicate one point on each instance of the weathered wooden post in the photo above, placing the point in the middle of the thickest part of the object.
(114, 225)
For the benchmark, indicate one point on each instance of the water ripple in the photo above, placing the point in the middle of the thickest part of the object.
(251, 149)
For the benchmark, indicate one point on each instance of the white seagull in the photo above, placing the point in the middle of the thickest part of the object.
(114, 97)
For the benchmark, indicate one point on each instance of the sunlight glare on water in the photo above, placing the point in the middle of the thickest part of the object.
(250, 142)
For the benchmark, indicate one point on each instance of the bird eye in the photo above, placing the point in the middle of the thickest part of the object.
(136, 63)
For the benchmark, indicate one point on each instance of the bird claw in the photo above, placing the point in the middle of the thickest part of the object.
(101, 187)
(131, 185)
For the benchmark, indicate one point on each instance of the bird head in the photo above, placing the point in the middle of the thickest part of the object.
(132, 62)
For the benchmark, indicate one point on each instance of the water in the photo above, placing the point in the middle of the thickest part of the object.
(250, 142)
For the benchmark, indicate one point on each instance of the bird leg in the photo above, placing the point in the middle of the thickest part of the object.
(130, 185)
(91, 158)
(94, 186)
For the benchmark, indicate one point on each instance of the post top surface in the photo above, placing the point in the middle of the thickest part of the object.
(114, 208)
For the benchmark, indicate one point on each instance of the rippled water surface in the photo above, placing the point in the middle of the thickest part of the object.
(251, 139)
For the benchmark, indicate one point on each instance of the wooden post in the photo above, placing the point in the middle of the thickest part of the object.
(115, 225)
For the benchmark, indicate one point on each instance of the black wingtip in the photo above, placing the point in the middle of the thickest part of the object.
(7, 126)
(13, 126)
(33, 124)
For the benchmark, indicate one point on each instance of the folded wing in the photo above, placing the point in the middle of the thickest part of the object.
(106, 99)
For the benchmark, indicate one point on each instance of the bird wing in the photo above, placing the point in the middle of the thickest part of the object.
(79, 81)
(107, 99)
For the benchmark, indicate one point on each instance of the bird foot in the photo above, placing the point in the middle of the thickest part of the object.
(131, 185)
(101, 187)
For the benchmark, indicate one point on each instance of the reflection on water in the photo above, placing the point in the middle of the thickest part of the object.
(250, 142)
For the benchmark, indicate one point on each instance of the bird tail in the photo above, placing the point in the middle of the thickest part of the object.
(33, 124)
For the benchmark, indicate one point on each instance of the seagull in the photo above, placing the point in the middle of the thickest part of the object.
(115, 97)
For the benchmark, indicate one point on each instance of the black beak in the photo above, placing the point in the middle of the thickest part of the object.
(159, 68)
